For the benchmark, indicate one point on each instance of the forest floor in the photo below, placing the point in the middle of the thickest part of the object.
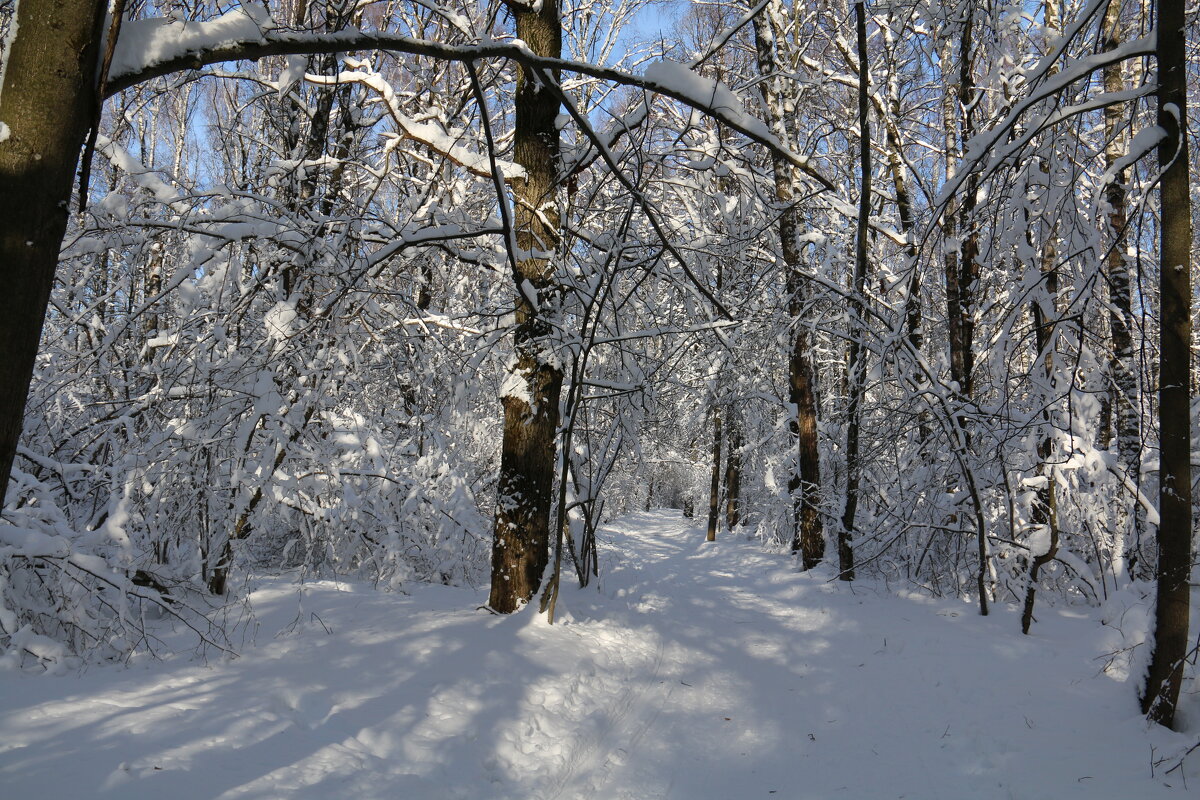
(697, 671)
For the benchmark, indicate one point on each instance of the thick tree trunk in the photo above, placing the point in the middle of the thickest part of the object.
(520, 549)
(804, 485)
(1173, 594)
(47, 106)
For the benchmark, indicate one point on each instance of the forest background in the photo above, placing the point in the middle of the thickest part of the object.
(425, 292)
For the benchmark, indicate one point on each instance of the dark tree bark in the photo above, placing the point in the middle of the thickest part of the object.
(958, 213)
(48, 105)
(1173, 595)
(1045, 315)
(714, 486)
(1045, 504)
(520, 549)
(733, 473)
(804, 485)
(960, 281)
(855, 366)
(961, 269)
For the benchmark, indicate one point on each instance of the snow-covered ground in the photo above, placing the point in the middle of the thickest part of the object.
(697, 671)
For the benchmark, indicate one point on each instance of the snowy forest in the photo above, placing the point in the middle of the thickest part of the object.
(524, 335)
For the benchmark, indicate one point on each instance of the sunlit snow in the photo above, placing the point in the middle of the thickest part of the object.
(695, 671)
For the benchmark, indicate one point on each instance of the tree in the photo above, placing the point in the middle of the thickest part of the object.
(530, 396)
(1172, 597)
(855, 366)
(307, 325)
(1045, 312)
(48, 101)
(1124, 404)
(804, 483)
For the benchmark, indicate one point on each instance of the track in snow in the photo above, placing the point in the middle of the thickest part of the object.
(695, 671)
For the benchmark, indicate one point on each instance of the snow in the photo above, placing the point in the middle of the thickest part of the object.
(448, 143)
(33, 544)
(516, 386)
(291, 74)
(696, 671)
(146, 42)
(6, 43)
(144, 177)
(678, 79)
(280, 320)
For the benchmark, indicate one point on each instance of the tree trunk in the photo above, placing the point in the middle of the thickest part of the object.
(957, 217)
(733, 474)
(1045, 505)
(1045, 315)
(47, 106)
(904, 210)
(714, 486)
(855, 366)
(1173, 595)
(521, 544)
(1123, 388)
(961, 269)
(805, 482)
(962, 325)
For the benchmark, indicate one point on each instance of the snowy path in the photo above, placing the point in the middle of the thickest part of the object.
(698, 671)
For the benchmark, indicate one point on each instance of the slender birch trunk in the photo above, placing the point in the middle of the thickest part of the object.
(1124, 400)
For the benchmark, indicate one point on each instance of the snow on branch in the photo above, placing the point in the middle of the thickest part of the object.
(442, 142)
(160, 46)
(977, 149)
(156, 40)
